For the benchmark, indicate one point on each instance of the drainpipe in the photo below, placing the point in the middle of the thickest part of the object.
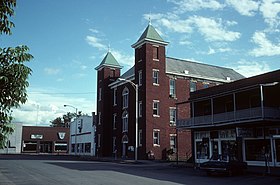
(261, 89)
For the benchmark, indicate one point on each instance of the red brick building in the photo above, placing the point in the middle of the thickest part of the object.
(162, 81)
(45, 139)
(241, 119)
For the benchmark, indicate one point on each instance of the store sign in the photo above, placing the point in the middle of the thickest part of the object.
(61, 135)
(36, 136)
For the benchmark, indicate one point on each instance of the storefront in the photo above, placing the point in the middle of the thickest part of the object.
(45, 139)
(256, 146)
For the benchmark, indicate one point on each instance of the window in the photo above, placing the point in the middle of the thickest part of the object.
(140, 138)
(156, 108)
(155, 52)
(155, 76)
(192, 86)
(114, 121)
(172, 116)
(172, 88)
(99, 140)
(173, 142)
(156, 137)
(99, 118)
(205, 85)
(140, 109)
(115, 96)
(114, 145)
(125, 97)
(125, 121)
(112, 73)
(87, 147)
(100, 93)
(140, 78)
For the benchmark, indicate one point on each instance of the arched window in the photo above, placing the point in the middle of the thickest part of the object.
(125, 121)
(125, 97)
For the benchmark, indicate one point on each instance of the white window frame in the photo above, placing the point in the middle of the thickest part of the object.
(100, 94)
(155, 77)
(99, 140)
(140, 77)
(114, 121)
(156, 139)
(125, 121)
(99, 118)
(140, 109)
(114, 144)
(192, 88)
(156, 108)
(125, 95)
(140, 137)
(175, 142)
(172, 116)
(172, 87)
(115, 97)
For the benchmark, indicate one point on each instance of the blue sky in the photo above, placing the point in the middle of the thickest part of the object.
(68, 39)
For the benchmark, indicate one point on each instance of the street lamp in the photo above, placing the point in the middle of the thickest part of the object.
(76, 126)
(136, 114)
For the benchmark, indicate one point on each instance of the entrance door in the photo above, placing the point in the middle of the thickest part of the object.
(276, 150)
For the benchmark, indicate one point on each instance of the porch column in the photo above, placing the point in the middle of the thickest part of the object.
(212, 111)
(261, 89)
(234, 107)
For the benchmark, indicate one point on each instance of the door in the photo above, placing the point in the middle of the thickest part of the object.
(276, 150)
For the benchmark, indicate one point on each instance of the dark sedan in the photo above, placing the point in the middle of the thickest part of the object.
(224, 164)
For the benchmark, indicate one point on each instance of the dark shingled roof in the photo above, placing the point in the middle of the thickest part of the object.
(200, 70)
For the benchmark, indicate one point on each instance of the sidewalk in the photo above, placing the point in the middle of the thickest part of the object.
(262, 170)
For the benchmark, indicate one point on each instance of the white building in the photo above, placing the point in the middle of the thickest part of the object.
(82, 134)
(13, 145)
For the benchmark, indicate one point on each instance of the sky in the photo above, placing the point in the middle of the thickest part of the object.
(69, 38)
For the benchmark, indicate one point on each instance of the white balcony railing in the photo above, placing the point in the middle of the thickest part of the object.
(231, 117)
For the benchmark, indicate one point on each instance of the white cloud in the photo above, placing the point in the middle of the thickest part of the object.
(251, 68)
(270, 10)
(123, 59)
(214, 30)
(194, 5)
(51, 71)
(247, 8)
(95, 42)
(219, 50)
(265, 46)
(41, 107)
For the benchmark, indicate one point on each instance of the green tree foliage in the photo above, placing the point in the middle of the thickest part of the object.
(65, 120)
(13, 72)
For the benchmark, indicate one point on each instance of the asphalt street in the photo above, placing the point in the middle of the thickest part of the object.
(66, 170)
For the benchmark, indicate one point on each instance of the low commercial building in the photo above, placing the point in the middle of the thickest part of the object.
(13, 145)
(45, 139)
(241, 118)
(82, 136)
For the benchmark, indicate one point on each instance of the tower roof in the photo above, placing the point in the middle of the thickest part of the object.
(150, 34)
(109, 61)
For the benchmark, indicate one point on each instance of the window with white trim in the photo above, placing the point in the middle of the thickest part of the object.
(99, 118)
(140, 109)
(173, 142)
(140, 138)
(156, 133)
(192, 86)
(115, 96)
(155, 77)
(125, 121)
(100, 94)
(140, 77)
(172, 88)
(172, 116)
(155, 107)
(155, 52)
(99, 140)
(114, 121)
(114, 145)
(125, 97)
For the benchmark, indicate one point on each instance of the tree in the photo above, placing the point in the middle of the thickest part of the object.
(13, 72)
(65, 120)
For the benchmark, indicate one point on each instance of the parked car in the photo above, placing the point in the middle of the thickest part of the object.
(224, 164)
